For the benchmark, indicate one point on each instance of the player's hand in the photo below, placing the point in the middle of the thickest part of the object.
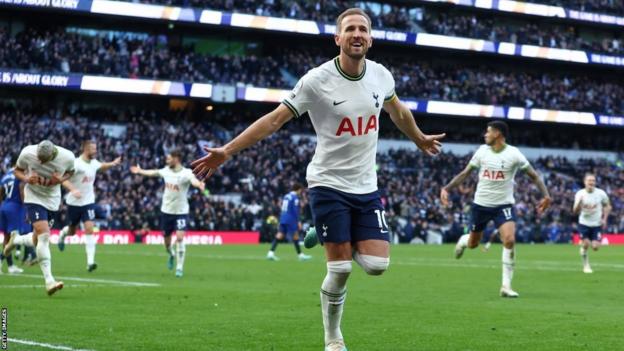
(33, 179)
(604, 224)
(117, 161)
(543, 205)
(299, 225)
(135, 169)
(76, 193)
(444, 197)
(205, 167)
(202, 186)
(55, 179)
(431, 144)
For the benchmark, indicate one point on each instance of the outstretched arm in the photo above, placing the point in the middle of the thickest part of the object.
(458, 179)
(260, 129)
(404, 120)
(198, 183)
(537, 180)
(107, 165)
(144, 172)
(70, 187)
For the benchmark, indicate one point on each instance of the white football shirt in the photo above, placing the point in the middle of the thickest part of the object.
(593, 203)
(175, 200)
(344, 111)
(46, 196)
(83, 180)
(496, 174)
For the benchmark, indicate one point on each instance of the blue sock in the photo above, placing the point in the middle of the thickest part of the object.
(9, 259)
(274, 244)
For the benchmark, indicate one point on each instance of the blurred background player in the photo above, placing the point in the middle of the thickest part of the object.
(342, 179)
(43, 167)
(497, 163)
(488, 244)
(12, 212)
(81, 198)
(175, 205)
(593, 207)
(289, 225)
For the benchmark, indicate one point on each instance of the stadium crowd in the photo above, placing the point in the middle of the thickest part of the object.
(414, 18)
(151, 57)
(248, 189)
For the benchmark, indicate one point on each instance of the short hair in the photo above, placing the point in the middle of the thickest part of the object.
(86, 143)
(501, 127)
(45, 150)
(349, 12)
(589, 174)
(297, 186)
(176, 153)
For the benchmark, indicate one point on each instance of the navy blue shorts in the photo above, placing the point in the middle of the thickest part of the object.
(342, 217)
(38, 213)
(590, 233)
(12, 217)
(77, 214)
(171, 223)
(289, 230)
(481, 216)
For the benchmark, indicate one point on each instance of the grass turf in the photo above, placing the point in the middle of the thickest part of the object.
(231, 298)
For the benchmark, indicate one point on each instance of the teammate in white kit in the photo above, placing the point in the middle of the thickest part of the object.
(593, 207)
(343, 98)
(497, 164)
(81, 198)
(44, 167)
(175, 205)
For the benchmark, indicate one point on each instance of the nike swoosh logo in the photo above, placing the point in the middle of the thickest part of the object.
(338, 103)
(384, 231)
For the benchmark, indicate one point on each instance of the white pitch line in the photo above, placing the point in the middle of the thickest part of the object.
(44, 345)
(90, 280)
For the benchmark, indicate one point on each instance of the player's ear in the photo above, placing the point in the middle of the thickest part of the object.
(337, 38)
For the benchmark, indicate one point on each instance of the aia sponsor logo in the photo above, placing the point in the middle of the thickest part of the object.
(493, 175)
(358, 127)
(171, 186)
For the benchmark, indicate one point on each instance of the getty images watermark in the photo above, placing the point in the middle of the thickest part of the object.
(5, 337)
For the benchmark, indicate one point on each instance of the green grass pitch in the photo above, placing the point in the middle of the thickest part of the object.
(231, 298)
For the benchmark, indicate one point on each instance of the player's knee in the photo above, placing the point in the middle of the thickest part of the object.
(341, 267)
(373, 265)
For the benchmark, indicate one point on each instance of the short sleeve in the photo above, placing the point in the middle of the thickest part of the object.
(605, 198)
(161, 172)
(388, 82)
(21, 160)
(577, 198)
(522, 161)
(70, 165)
(475, 161)
(302, 97)
(98, 165)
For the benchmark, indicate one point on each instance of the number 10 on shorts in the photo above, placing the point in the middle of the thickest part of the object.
(381, 218)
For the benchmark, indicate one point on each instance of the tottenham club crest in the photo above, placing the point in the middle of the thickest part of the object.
(376, 97)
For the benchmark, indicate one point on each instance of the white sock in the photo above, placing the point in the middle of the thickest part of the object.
(90, 248)
(26, 240)
(509, 260)
(584, 256)
(181, 253)
(333, 294)
(45, 259)
(463, 240)
(64, 232)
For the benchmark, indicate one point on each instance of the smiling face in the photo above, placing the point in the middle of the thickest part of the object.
(590, 182)
(353, 36)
